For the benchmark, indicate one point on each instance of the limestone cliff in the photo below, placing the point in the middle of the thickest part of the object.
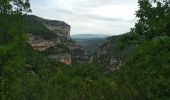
(58, 27)
(114, 51)
(52, 37)
(62, 57)
(39, 43)
(108, 55)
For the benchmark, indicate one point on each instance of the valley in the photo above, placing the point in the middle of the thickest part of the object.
(60, 47)
(68, 50)
(89, 44)
(41, 59)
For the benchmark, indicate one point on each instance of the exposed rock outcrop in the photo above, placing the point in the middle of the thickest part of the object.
(80, 56)
(60, 47)
(58, 27)
(39, 43)
(107, 54)
(114, 51)
(64, 58)
(114, 64)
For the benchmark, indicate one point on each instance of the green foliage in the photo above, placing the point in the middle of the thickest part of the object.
(11, 15)
(154, 18)
(14, 7)
(23, 72)
(145, 73)
(90, 44)
(34, 26)
(84, 82)
(117, 47)
(58, 82)
(30, 75)
(60, 48)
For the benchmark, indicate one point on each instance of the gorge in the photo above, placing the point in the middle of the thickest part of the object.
(55, 41)
(57, 44)
(40, 61)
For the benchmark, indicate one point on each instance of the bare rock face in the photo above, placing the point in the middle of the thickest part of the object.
(52, 37)
(39, 44)
(44, 45)
(58, 27)
(114, 65)
(72, 46)
(64, 58)
(106, 55)
(56, 47)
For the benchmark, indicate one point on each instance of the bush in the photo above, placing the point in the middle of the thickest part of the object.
(145, 75)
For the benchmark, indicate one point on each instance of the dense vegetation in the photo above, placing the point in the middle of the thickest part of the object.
(30, 75)
(90, 44)
(35, 27)
(144, 76)
(116, 47)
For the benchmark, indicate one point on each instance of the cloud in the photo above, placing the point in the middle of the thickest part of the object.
(89, 16)
(95, 17)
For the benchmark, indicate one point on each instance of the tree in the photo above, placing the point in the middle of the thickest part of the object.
(153, 18)
(11, 22)
(145, 76)
(12, 41)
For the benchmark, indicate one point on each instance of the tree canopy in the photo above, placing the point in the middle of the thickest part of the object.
(30, 75)
(153, 18)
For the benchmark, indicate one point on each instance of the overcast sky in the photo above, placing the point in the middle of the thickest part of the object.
(89, 16)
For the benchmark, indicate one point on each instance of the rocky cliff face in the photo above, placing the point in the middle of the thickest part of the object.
(64, 58)
(114, 51)
(39, 44)
(60, 47)
(107, 54)
(58, 27)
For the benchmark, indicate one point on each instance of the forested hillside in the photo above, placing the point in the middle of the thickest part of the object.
(143, 53)
(90, 44)
(34, 26)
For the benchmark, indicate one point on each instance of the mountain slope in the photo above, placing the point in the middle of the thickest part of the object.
(35, 27)
(114, 50)
(90, 44)
(52, 37)
(88, 36)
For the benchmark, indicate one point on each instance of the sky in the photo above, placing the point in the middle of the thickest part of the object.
(107, 17)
